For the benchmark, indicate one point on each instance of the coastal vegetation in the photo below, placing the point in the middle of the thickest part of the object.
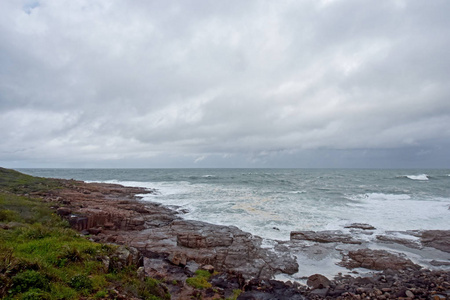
(42, 258)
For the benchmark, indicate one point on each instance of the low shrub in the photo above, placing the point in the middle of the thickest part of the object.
(200, 280)
(27, 280)
(80, 282)
(7, 215)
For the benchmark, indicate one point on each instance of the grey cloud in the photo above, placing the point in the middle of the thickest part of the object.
(236, 83)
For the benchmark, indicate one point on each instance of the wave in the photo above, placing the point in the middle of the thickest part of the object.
(209, 176)
(296, 192)
(417, 177)
(381, 196)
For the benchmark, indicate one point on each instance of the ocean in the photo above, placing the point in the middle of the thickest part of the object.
(273, 202)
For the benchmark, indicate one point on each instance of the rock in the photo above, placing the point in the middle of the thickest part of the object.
(109, 226)
(439, 263)
(63, 211)
(125, 256)
(94, 231)
(141, 273)
(362, 226)
(318, 281)
(393, 239)
(208, 268)
(178, 259)
(192, 266)
(377, 260)
(409, 294)
(326, 236)
(106, 262)
(10, 225)
(438, 239)
(322, 292)
(269, 290)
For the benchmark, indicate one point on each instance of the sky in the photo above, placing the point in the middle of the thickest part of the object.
(184, 83)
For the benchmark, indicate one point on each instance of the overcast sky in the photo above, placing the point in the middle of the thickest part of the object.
(225, 83)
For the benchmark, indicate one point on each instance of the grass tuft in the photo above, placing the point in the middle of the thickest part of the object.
(200, 280)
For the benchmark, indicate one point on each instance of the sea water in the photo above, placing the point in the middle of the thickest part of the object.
(273, 202)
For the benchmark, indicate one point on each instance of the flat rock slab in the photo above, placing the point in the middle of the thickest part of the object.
(377, 260)
(438, 239)
(326, 236)
(362, 226)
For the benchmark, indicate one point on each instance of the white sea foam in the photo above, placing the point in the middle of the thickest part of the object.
(418, 177)
(275, 214)
(296, 192)
(382, 196)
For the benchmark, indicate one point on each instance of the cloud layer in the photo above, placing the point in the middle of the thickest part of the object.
(224, 83)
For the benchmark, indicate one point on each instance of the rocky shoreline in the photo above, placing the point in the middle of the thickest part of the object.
(174, 248)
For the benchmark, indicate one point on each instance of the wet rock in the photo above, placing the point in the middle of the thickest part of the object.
(362, 226)
(326, 236)
(376, 260)
(320, 292)
(228, 281)
(439, 263)
(396, 240)
(438, 239)
(270, 289)
(318, 281)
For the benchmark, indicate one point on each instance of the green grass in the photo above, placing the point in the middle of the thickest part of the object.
(200, 280)
(42, 258)
(16, 182)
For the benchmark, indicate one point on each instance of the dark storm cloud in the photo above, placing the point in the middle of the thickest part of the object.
(235, 83)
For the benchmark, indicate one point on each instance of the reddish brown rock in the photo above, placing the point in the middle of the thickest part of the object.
(377, 260)
(438, 239)
(63, 211)
(318, 281)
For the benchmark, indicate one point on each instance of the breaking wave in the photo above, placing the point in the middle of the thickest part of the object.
(418, 177)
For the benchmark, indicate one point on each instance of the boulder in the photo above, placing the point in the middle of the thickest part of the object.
(177, 258)
(125, 256)
(318, 281)
(63, 211)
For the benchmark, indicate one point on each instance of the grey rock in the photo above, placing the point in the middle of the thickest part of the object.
(396, 240)
(362, 226)
(192, 266)
(125, 256)
(326, 236)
